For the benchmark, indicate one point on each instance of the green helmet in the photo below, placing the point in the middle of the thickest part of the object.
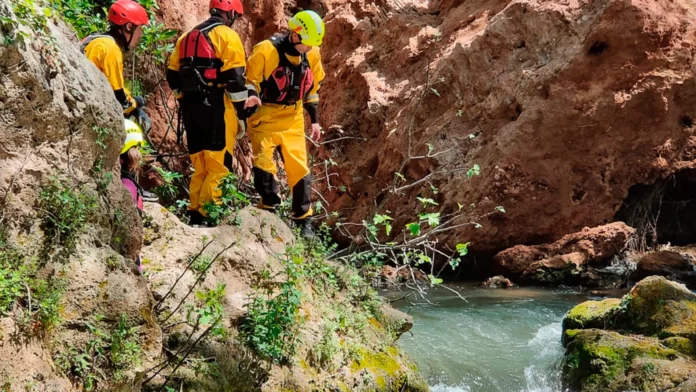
(309, 26)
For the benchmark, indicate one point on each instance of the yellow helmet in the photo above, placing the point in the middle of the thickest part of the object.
(134, 136)
(309, 26)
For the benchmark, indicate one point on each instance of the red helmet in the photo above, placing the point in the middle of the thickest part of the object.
(127, 11)
(227, 5)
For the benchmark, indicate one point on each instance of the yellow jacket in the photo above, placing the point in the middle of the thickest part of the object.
(230, 51)
(264, 60)
(106, 54)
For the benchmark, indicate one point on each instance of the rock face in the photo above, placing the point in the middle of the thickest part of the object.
(644, 341)
(566, 260)
(564, 105)
(54, 106)
(561, 106)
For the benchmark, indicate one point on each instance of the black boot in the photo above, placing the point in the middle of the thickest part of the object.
(196, 219)
(306, 229)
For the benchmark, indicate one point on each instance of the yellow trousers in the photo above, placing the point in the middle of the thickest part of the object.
(211, 132)
(274, 126)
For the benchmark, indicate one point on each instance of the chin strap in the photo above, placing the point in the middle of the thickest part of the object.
(123, 35)
(231, 17)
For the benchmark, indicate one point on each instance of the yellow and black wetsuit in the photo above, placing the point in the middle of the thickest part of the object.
(287, 86)
(106, 52)
(212, 93)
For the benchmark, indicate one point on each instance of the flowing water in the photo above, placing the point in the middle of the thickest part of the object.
(498, 341)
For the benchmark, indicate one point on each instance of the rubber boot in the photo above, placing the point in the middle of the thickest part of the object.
(306, 229)
(196, 219)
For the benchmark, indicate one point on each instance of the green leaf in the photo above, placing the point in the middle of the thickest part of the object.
(426, 201)
(372, 229)
(434, 281)
(459, 113)
(500, 209)
(454, 262)
(463, 249)
(388, 228)
(414, 228)
(400, 176)
(432, 89)
(433, 219)
(430, 148)
(424, 259)
(474, 171)
(460, 206)
(379, 219)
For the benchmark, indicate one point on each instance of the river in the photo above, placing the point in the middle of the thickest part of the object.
(498, 341)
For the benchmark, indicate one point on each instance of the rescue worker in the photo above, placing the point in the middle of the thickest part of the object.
(284, 74)
(206, 72)
(106, 50)
(131, 161)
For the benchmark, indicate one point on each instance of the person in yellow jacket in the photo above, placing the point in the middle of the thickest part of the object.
(206, 72)
(284, 74)
(105, 50)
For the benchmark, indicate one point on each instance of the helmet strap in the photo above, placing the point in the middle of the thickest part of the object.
(231, 17)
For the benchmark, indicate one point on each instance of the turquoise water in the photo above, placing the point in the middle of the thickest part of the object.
(498, 341)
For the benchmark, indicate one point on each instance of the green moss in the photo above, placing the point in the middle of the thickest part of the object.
(591, 314)
(387, 371)
(655, 304)
(683, 320)
(599, 360)
(568, 336)
(682, 345)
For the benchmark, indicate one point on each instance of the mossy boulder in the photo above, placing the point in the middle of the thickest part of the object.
(645, 341)
(591, 314)
(656, 305)
(599, 360)
(682, 345)
(387, 372)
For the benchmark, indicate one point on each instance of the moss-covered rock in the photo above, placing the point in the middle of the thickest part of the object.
(645, 341)
(680, 344)
(599, 360)
(656, 304)
(387, 372)
(591, 314)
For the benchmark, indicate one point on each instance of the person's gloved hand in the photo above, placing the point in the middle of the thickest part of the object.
(241, 129)
(178, 95)
(140, 101)
(138, 115)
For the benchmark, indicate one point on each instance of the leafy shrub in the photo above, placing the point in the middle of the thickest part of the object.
(107, 356)
(168, 190)
(66, 211)
(39, 296)
(85, 16)
(231, 200)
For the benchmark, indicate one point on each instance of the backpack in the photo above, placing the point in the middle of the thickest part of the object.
(288, 83)
(199, 66)
(88, 39)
